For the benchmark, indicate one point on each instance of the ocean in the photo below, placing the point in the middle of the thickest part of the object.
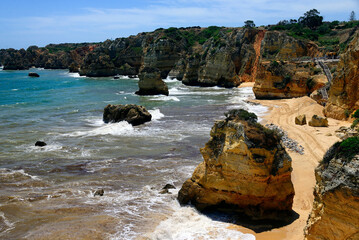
(48, 193)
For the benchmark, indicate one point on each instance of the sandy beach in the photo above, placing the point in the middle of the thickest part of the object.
(315, 141)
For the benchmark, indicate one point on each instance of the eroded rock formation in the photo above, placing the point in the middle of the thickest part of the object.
(151, 83)
(335, 213)
(344, 91)
(245, 169)
(278, 79)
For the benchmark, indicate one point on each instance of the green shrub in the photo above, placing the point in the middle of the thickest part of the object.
(310, 83)
(333, 69)
(356, 114)
(317, 70)
(355, 123)
(347, 113)
(349, 148)
(241, 114)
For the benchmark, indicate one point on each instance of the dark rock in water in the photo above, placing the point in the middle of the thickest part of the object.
(33, 74)
(131, 113)
(40, 144)
(164, 191)
(169, 186)
(99, 192)
(116, 77)
(151, 83)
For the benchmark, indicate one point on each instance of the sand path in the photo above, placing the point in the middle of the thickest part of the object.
(315, 141)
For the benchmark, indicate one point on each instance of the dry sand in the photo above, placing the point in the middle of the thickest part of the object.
(315, 141)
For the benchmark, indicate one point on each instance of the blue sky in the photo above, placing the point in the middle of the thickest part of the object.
(40, 22)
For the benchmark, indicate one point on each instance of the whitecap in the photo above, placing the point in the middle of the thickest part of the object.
(75, 75)
(15, 89)
(169, 80)
(156, 114)
(47, 148)
(116, 129)
(164, 98)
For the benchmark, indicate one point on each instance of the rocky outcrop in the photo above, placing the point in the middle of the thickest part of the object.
(278, 79)
(344, 91)
(300, 120)
(52, 56)
(278, 45)
(151, 83)
(131, 113)
(245, 169)
(318, 121)
(335, 213)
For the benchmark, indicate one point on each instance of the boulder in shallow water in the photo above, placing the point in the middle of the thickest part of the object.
(33, 74)
(40, 144)
(318, 121)
(245, 169)
(301, 120)
(133, 114)
(99, 192)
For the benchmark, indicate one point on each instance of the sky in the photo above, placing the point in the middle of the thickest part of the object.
(39, 22)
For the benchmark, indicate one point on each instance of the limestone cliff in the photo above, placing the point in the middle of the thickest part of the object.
(278, 79)
(335, 213)
(52, 56)
(278, 45)
(344, 91)
(245, 169)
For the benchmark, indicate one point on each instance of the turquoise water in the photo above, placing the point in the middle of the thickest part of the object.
(47, 192)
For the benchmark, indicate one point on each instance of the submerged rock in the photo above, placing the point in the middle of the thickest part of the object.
(131, 113)
(151, 83)
(318, 121)
(335, 213)
(33, 74)
(245, 169)
(40, 144)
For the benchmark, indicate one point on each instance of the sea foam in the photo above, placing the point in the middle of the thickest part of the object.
(186, 223)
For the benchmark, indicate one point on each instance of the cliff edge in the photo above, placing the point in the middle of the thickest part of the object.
(335, 213)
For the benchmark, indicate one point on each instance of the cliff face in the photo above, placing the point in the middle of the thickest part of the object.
(281, 46)
(245, 169)
(53, 56)
(335, 213)
(285, 80)
(344, 91)
(213, 56)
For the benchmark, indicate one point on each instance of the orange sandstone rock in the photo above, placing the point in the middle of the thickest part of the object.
(344, 91)
(245, 169)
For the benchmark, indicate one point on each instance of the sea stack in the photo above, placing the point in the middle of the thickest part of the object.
(151, 83)
(245, 169)
(335, 213)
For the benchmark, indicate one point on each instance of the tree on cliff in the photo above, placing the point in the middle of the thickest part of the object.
(352, 16)
(249, 24)
(311, 19)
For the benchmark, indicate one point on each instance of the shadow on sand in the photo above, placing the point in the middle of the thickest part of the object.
(243, 220)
